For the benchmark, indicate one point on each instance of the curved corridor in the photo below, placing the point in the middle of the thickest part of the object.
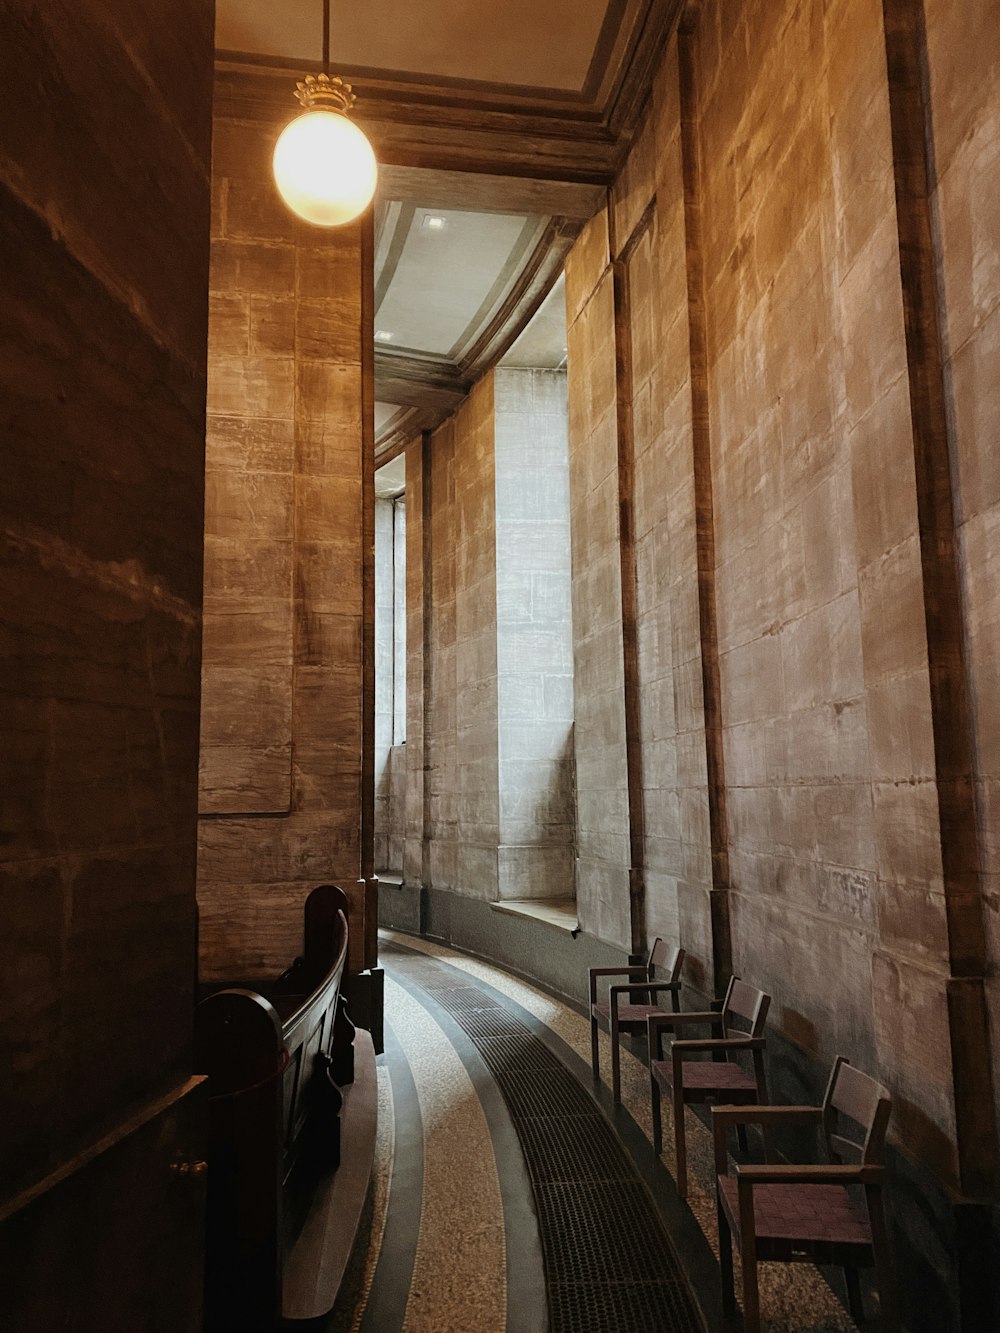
(509, 1192)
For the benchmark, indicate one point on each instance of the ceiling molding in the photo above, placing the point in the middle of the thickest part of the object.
(617, 40)
(491, 130)
(410, 427)
(626, 105)
(451, 143)
(533, 284)
(418, 381)
(532, 144)
(484, 193)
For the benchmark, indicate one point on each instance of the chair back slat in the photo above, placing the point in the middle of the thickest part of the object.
(855, 1096)
(746, 1003)
(666, 958)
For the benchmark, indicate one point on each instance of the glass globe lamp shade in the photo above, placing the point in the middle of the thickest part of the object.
(324, 168)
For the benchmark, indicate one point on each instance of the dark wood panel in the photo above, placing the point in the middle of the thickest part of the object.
(115, 1239)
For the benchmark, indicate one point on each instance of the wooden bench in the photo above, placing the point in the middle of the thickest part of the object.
(276, 1057)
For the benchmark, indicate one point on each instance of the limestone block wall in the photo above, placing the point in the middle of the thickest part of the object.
(462, 804)
(390, 682)
(288, 551)
(103, 381)
(397, 809)
(811, 445)
(384, 688)
(832, 803)
(104, 212)
(602, 797)
(649, 206)
(416, 831)
(963, 77)
(534, 632)
(784, 490)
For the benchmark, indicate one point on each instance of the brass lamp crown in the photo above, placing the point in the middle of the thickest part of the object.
(319, 90)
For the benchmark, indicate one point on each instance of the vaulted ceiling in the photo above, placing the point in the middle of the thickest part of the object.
(498, 125)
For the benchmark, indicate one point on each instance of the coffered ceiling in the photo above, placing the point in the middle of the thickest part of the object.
(498, 125)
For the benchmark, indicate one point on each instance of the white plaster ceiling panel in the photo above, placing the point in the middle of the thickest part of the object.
(527, 43)
(384, 413)
(390, 479)
(441, 276)
(542, 345)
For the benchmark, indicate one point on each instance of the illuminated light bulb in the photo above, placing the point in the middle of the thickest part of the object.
(324, 166)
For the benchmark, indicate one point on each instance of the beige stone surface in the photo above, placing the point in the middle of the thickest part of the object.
(282, 686)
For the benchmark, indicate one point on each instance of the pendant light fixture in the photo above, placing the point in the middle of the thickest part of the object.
(324, 167)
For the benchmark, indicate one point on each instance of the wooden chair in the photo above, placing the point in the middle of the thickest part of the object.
(830, 1214)
(616, 1018)
(721, 1079)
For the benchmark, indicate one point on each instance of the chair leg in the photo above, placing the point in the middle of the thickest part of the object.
(654, 1096)
(725, 1260)
(888, 1311)
(751, 1294)
(616, 1070)
(751, 1291)
(855, 1301)
(595, 1055)
(680, 1141)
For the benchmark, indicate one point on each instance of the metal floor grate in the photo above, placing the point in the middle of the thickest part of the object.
(636, 1307)
(609, 1267)
(564, 1148)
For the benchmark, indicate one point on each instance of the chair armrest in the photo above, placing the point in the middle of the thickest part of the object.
(720, 1044)
(656, 1023)
(594, 972)
(691, 1016)
(640, 987)
(765, 1116)
(647, 985)
(814, 1174)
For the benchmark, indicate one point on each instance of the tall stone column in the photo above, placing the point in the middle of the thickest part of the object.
(603, 832)
(534, 629)
(287, 677)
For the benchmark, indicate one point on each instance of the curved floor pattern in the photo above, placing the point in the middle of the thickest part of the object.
(510, 1193)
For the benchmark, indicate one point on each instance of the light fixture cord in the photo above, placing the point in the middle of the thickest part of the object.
(326, 37)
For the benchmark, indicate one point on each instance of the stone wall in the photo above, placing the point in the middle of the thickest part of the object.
(805, 750)
(461, 763)
(104, 215)
(534, 631)
(103, 377)
(390, 682)
(603, 853)
(384, 691)
(784, 484)
(964, 73)
(287, 540)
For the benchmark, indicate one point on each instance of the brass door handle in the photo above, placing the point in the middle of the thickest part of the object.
(189, 1170)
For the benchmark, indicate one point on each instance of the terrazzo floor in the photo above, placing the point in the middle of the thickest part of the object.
(456, 1244)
